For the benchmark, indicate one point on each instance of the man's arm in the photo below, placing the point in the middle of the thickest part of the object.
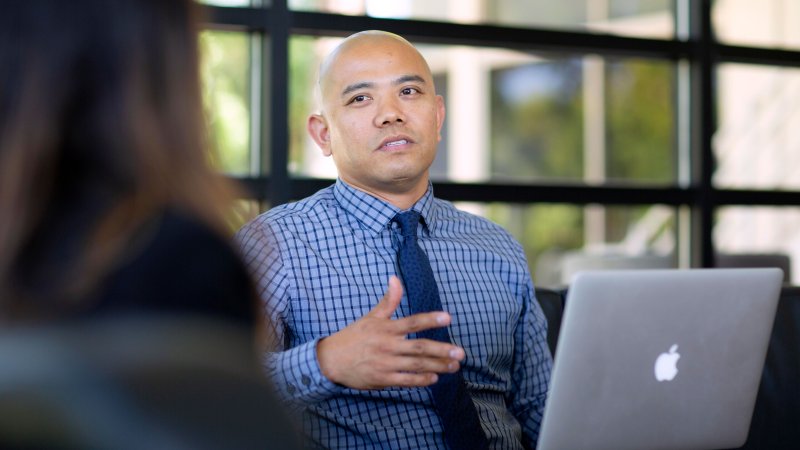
(294, 371)
(532, 366)
(371, 353)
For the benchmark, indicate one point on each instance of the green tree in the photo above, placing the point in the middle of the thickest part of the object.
(225, 65)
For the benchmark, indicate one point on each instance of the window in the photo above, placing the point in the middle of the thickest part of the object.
(770, 23)
(224, 70)
(645, 128)
(585, 119)
(644, 18)
(757, 140)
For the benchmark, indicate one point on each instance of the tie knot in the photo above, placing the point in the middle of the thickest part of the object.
(408, 223)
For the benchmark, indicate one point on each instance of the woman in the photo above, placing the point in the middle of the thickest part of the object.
(108, 207)
(107, 200)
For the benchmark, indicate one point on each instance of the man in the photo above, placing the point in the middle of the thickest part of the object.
(355, 365)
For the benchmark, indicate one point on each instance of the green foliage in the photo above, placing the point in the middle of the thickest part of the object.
(540, 136)
(541, 228)
(302, 79)
(640, 122)
(224, 69)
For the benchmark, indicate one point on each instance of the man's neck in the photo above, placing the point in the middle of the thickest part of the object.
(401, 198)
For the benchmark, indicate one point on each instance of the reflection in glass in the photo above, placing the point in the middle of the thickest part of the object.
(757, 138)
(225, 69)
(557, 237)
(537, 121)
(584, 119)
(640, 115)
(766, 23)
(642, 18)
(759, 230)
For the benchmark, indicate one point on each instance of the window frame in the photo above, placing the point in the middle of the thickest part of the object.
(697, 52)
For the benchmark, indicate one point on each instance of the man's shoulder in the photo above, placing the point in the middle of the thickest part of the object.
(309, 209)
(448, 214)
(478, 232)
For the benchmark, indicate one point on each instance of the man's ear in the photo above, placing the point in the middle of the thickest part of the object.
(317, 128)
(439, 116)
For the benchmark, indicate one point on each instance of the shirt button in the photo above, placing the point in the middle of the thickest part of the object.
(291, 388)
(306, 380)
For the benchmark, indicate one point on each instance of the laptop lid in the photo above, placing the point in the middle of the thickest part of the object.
(665, 358)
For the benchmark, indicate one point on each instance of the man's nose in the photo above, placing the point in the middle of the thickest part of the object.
(389, 112)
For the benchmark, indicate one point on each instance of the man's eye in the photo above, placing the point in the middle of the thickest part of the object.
(358, 99)
(409, 91)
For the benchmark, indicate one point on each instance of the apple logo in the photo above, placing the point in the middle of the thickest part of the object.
(666, 364)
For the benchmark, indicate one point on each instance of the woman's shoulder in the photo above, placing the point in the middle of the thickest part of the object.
(177, 263)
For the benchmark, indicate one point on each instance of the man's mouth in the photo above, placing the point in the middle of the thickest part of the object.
(395, 143)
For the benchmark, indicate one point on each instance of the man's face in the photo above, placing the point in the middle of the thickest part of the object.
(380, 116)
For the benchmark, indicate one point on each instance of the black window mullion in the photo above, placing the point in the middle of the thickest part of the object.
(703, 123)
(236, 18)
(524, 39)
(279, 185)
(755, 55)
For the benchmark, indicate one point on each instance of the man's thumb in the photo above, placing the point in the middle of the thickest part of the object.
(390, 301)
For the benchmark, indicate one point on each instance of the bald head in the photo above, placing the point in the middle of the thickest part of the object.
(361, 45)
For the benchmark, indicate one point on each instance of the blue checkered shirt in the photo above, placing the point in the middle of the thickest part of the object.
(324, 262)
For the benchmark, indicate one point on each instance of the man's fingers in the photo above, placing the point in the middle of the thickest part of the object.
(429, 349)
(409, 379)
(420, 322)
(417, 364)
(374, 352)
(411, 324)
(390, 301)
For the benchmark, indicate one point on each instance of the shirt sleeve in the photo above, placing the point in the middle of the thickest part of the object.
(532, 367)
(295, 371)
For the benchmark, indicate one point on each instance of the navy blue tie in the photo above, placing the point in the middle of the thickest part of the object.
(462, 428)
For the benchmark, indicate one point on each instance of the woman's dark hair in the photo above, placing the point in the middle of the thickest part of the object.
(101, 127)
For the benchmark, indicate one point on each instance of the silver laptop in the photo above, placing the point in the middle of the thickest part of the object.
(667, 359)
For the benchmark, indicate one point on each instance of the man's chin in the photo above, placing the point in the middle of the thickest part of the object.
(405, 183)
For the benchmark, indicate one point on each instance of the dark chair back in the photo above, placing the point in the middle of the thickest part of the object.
(779, 260)
(552, 303)
(777, 409)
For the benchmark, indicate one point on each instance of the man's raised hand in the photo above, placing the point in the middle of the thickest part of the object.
(374, 352)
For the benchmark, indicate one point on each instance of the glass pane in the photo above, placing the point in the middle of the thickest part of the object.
(757, 137)
(560, 239)
(761, 231)
(766, 23)
(537, 120)
(642, 18)
(225, 71)
(305, 55)
(583, 119)
(640, 115)
(518, 117)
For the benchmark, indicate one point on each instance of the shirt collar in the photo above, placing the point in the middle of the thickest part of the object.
(375, 214)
